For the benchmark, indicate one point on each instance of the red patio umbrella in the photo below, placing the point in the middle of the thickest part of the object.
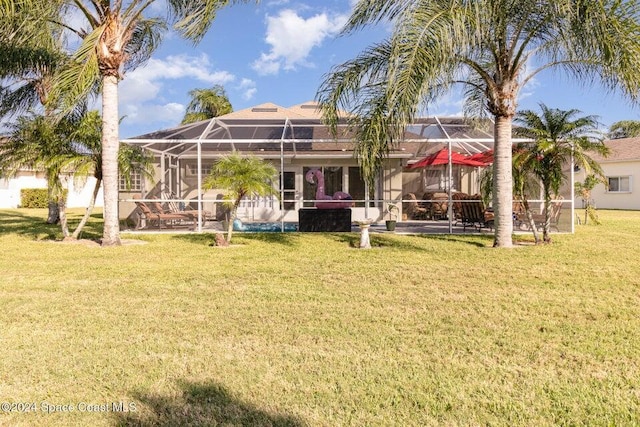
(442, 158)
(485, 157)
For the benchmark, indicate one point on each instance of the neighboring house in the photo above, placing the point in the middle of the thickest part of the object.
(296, 140)
(27, 178)
(622, 171)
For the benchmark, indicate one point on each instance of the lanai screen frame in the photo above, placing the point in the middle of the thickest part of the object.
(171, 142)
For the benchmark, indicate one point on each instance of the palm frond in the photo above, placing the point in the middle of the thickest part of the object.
(195, 17)
(145, 39)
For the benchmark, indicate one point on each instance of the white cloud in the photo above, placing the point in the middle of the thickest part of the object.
(274, 3)
(168, 113)
(292, 38)
(180, 67)
(248, 89)
(142, 92)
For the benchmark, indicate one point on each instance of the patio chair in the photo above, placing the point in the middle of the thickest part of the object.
(166, 218)
(439, 206)
(413, 209)
(174, 209)
(475, 215)
(457, 206)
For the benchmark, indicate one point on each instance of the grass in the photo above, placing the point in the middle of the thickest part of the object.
(302, 329)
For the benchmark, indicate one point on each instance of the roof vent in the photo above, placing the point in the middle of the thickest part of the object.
(264, 110)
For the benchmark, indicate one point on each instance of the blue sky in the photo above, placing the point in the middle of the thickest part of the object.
(278, 51)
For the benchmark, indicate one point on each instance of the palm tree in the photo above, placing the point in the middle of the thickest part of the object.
(625, 129)
(23, 39)
(71, 146)
(87, 160)
(30, 89)
(36, 142)
(557, 136)
(206, 104)
(121, 37)
(241, 177)
(490, 47)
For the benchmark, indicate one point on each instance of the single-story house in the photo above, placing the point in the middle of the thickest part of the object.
(622, 170)
(296, 141)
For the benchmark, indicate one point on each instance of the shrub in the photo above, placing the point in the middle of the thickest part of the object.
(34, 198)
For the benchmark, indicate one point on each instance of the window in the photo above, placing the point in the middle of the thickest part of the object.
(619, 184)
(192, 169)
(135, 182)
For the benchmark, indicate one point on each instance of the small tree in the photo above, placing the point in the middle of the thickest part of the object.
(556, 138)
(583, 190)
(241, 177)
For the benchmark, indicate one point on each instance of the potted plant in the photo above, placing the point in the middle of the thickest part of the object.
(393, 211)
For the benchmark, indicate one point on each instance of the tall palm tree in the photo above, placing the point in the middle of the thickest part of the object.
(206, 104)
(557, 136)
(87, 160)
(490, 47)
(241, 177)
(120, 36)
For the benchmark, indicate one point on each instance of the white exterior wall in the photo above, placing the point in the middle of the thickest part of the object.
(608, 200)
(10, 190)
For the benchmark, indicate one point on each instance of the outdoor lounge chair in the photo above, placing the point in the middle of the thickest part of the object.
(168, 219)
(173, 209)
(413, 209)
(556, 210)
(475, 215)
(439, 206)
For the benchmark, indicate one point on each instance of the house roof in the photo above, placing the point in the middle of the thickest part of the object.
(300, 130)
(621, 150)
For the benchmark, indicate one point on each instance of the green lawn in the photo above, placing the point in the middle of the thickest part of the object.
(303, 329)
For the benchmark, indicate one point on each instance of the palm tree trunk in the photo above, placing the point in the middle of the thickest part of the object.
(110, 144)
(232, 216)
(87, 213)
(62, 210)
(503, 183)
(547, 214)
(532, 222)
(53, 217)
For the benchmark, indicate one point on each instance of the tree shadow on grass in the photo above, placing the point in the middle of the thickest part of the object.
(208, 239)
(31, 224)
(24, 224)
(408, 242)
(201, 405)
(378, 241)
(473, 240)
